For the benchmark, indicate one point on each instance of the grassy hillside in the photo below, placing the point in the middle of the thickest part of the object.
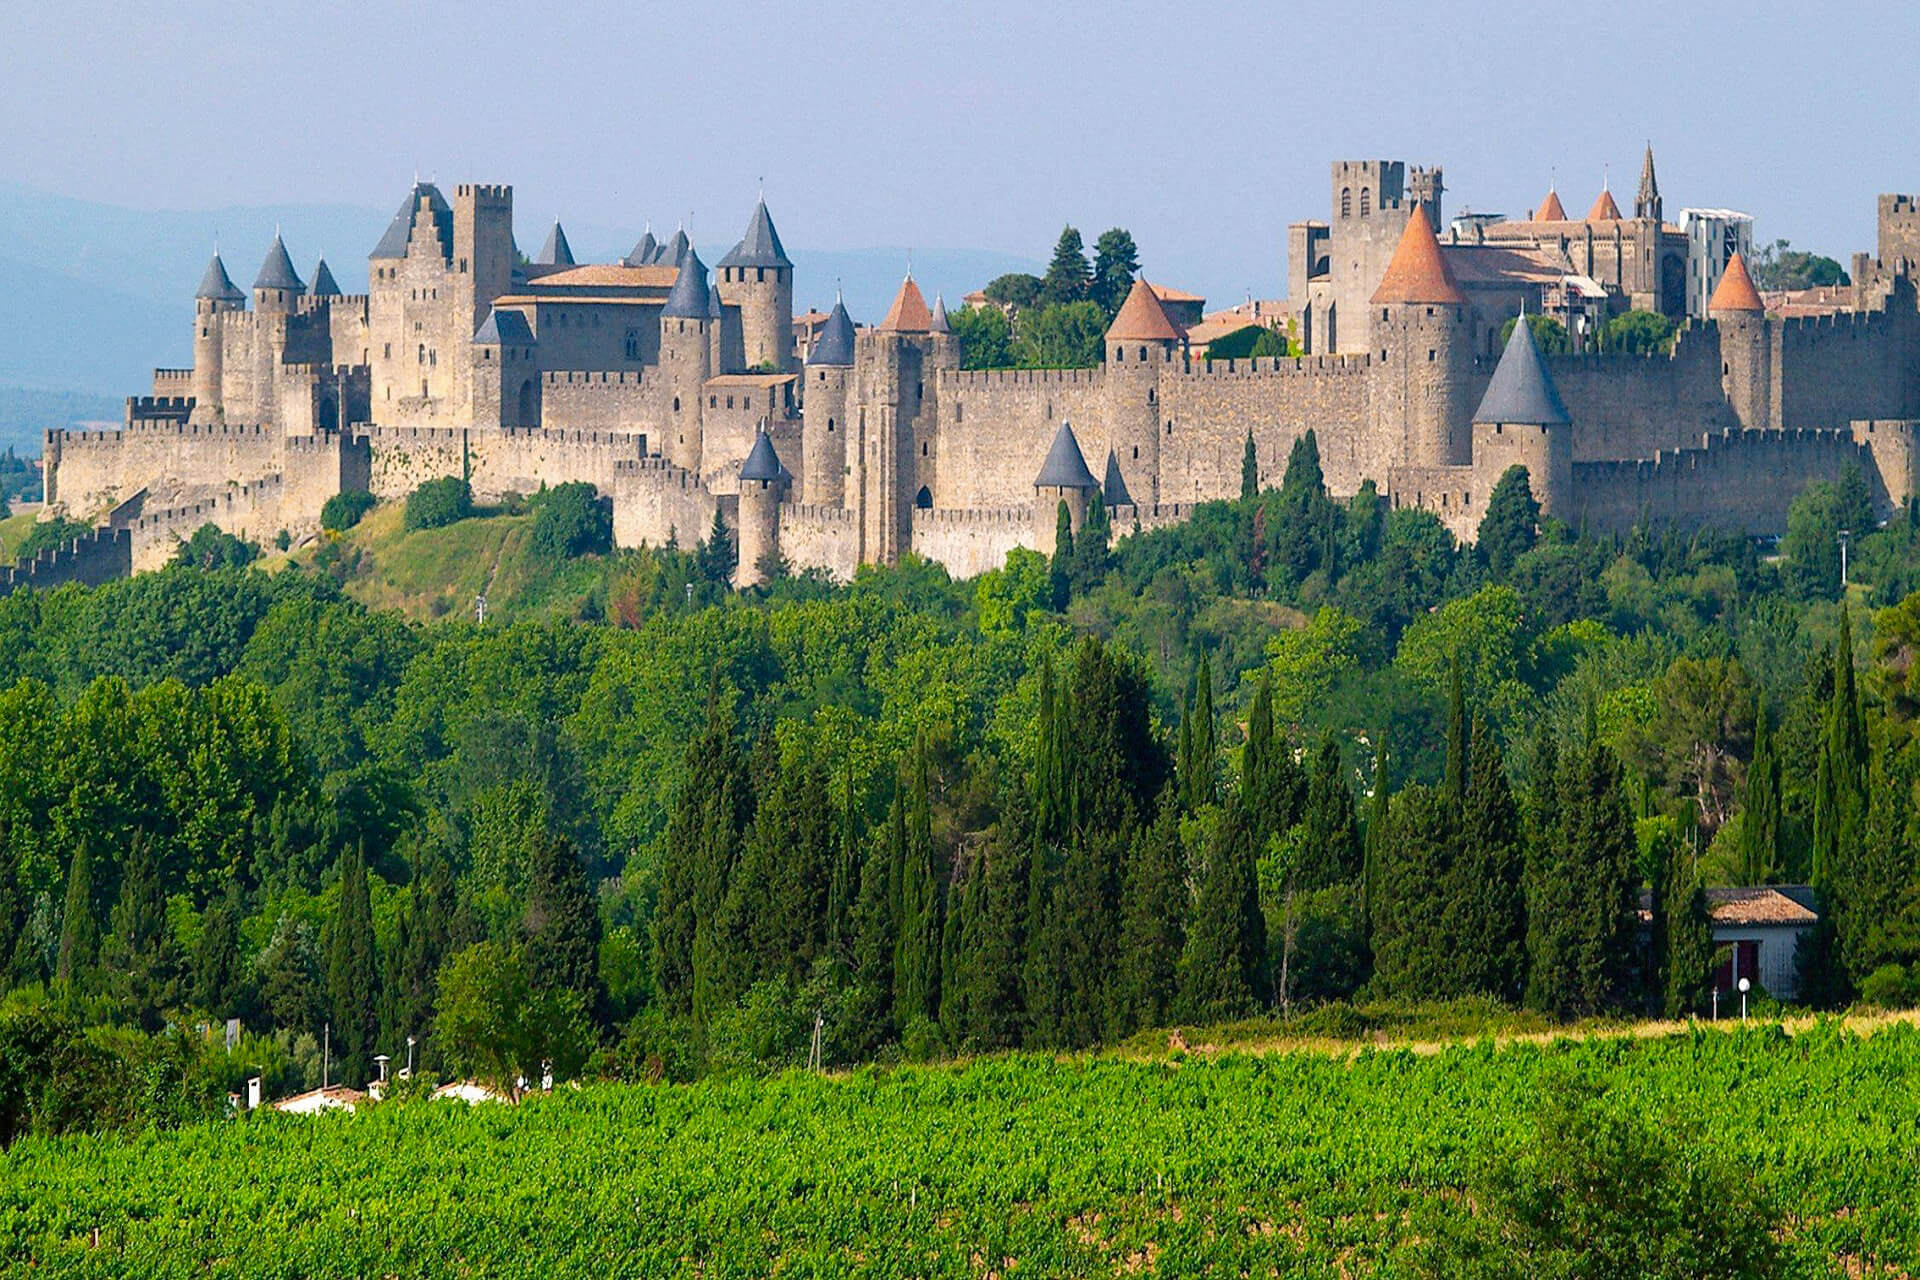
(435, 573)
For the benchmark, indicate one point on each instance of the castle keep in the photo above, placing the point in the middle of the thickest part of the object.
(676, 389)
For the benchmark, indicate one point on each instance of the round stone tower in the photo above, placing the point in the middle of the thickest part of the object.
(758, 274)
(761, 480)
(1522, 422)
(1746, 348)
(277, 290)
(216, 296)
(1143, 343)
(1423, 346)
(1063, 478)
(686, 355)
(824, 432)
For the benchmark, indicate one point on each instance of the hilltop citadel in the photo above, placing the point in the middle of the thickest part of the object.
(678, 390)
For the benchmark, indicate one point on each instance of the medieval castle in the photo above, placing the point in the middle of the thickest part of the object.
(678, 390)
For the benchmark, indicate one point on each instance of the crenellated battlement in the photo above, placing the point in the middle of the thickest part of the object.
(968, 378)
(594, 377)
(967, 517)
(484, 190)
(1281, 366)
(91, 559)
(817, 513)
(73, 438)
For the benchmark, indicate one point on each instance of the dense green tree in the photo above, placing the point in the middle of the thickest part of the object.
(1060, 569)
(292, 978)
(1760, 851)
(1115, 261)
(994, 948)
(718, 558)
(1329, 829)
(1454, 789)
(1413, 951)
(1067, 335)
(702, 836)
(352, 976)
(1016, 289)
(1637, 333)
(438, 502)
(1090, 547)
(1486, 895)
(79, 925)
(498, 1024)
(1511, 522)
(1068, 276)
(1580, 893)
(985, 336)
(1200, 742)
(916, 975)
(1780, 266)
(1549, 335)
(571, 520)
(1153, 924)
(1272, 786)
(219, 974)
(137, 956)
(212, 547)
(1223, 966)
(1684, 931)
(1249, 471)
(562, 922)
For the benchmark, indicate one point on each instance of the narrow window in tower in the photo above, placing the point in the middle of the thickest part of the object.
(1429, 313)
(1136, 453)
(1119, 355)
(1429, 355)
(923, 448)
(1346, 202)
(1143, 353)
(760, 275)
(676, 405)
(1366, 201)
(1383, 355)
(829, 426)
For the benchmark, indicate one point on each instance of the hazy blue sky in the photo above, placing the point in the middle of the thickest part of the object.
(1203, 128)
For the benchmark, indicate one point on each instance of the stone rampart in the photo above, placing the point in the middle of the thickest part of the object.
(655, 502)
(90, 471)
(1833, 369)
(610, 400)
(1207, 412)
(522, 459)
(401, 459)
(100, 556)
(818, 537)
(1740, 480)
(971, 541)
(996, 425)
(1633, 406)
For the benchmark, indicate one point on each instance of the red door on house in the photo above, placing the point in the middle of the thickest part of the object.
(1737, 960)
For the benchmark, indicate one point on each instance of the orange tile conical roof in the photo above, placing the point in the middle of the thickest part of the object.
(1551, 210)
(1604, 209)
(909, 313)
(1418, 271)
(1735, 291)
(1142, 319)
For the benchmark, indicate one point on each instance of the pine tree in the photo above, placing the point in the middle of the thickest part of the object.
(1060, 570)
(917, 965)
(1760, 811)
(137, 955)
(1153, 928)
(79, 926)
(1249, 471)
(718, 558)
(1413, 952)
(562, 923)
(1201, 735)
(1329, 824)
(844, 887)
(875, 937)
(1455, 786)
(1879, 871)
(1223, 967)
(1115, 260)
(1580, 897)
(994, 945)
(1272, 786)
(702, 831)
(1687, 966)
(1507, 530)
(352, 982)
(217, 973)
(1068, 276)
(1486, 895)
(1090, 553)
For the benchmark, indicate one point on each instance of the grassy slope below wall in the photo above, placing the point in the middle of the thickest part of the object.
(1293, 1164)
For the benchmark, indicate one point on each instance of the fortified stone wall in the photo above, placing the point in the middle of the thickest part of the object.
(975, 540)
(90, 471)
(101, 556)
(813, 536)
(1742, 480)
(1830, 370)
(996, 426)
(1633, 406)
(521, 460)
(654, 501)
(1206, 414)
(401, 459)
(603, 401)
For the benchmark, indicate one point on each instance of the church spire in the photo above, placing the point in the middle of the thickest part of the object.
(1647, 203)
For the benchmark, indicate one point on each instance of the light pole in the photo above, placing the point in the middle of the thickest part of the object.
(1844, 535)
(1744, 985)
(410, 1043)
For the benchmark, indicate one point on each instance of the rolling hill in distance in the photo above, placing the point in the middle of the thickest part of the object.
(94, 296)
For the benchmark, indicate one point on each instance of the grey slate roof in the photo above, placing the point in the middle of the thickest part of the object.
(1520, 390)
(714, 308)
(504, 329)
(393, 244)
(556, 252)
(644, 251)
(674, 251)
(277, 271)
(835, 343)
(688, 300)
(760, 247)
(324, 285)
(1115, 489)
(1066, 466)
(217, 285)
(762, 462)
(939, 322)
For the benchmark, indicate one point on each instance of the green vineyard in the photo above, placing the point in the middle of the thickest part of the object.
(1289, 1165)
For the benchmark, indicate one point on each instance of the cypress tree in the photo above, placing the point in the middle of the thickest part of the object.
(1507, 530)
(79, 927)
(994, 947)
(702, 835)
(1330, 835)
(1486, 895)
(1760, 810)
(1870, 883)
(917, 964)
(1249, 472)
(1413, 952)
(13, 917)
(1153, 928)
(136, 955)
(1379, 830)
(844, 887)
(1580, 900)
(217, 973)
(562, 923)
(1060, 570)
(352, 983)
(1069, 276)
(1222, 969)
(1197, 774)
(1271, 783)
(1687, 966)
(1090, 549)
(1455, 787)
(717, 559)
(876, 935)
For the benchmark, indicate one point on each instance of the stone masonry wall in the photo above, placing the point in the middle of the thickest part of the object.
(1207, 413)
(654, 501)
(1631, 406)
(90, 471)
(1743, 480)
(973, 541)
(1830, 370)
(997, 425)
(816, 537)
(607, 401)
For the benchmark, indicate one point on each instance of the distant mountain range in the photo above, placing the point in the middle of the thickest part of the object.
(94, 296)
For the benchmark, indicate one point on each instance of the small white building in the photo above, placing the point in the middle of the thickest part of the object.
(470, 1092)
(1758, 932)
(335, 1097)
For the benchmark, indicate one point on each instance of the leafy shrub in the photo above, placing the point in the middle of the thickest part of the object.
(344, 509)
(211, 547)
(572, 521)
(47, 535)
(1891, 986)
(438, 502)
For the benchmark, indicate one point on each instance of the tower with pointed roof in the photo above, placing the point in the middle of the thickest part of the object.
(1143, 344)
(686, 361)
(215, 299)
(1646, 202)
(829, 375)
(895, 410)
(1063, 478)
(1746, 345)
(1521, 421)
(762, 486)
(1423, 354)
(757, 276)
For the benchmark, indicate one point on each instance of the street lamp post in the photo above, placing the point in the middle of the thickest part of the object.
(1744, 986)
(1844, 535)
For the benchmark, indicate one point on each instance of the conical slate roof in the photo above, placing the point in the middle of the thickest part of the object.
(1142, 318)
(674, 252)
(556, 252)
(1604, 209)
(277, 271)
(217, 285)
(714, 308)
(504, 329)
(1551, 210)
(762, 462)
(1735, 292)
(760, 247)
(1115, 489)
(393, 244)
(1418, 270)
(1066, 466)
(688, 301)
(937, 322)
(909, 313)
(643, 252)
(1520, 390)
(324, 285)
(835, 344)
